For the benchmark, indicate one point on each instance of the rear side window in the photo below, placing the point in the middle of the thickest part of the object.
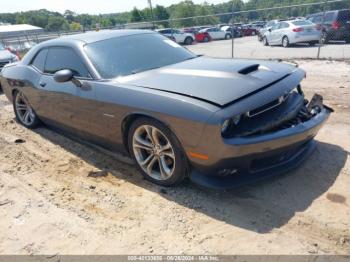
(329, 17)
(301, 22)
(344, 16)
(59, 58)
(39, 60)
(283, 25)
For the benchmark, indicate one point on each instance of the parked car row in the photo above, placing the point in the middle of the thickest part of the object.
(189, 35)
(320, 27)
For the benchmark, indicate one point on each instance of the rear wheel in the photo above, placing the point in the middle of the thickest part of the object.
(24, 112)
(188, 41)
(206, 39)
(157, 152)
(285, 41)
(265, 41)
(227, 36)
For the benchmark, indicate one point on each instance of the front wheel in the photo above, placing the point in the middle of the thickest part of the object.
(324, 37)
(227, 36)
(157, 152)
(206, 39)
(188, 41)
(285, 41)
(24, 112)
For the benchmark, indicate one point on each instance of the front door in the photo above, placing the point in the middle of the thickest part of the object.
(67, 105)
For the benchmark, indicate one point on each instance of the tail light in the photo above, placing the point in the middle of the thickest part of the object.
(298, 29)
(318, 27)
(336, 25)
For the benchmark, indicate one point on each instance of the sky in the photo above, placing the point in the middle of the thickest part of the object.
(86, 6)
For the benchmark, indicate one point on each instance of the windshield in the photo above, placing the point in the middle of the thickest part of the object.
(127, 55)
(302, 22)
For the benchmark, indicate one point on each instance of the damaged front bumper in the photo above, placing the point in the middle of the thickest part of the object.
(245, 159)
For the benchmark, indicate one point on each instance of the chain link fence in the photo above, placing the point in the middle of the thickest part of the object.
(305, 30)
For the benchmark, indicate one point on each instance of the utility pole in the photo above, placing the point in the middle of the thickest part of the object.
(232, 31)
(151, 7)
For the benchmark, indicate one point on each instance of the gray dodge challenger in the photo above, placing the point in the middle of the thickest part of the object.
(220, 122)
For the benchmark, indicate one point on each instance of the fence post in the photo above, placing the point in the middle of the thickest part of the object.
(232, 33)
(322, 25)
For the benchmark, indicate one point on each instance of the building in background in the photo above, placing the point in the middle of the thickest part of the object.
(19, 30)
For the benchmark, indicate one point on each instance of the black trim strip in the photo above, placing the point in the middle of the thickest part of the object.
(181, 94)
(255, 91)
(247, 70)
(216, 104)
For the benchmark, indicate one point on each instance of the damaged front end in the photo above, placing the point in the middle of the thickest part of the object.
(285, 112)
(265, 141)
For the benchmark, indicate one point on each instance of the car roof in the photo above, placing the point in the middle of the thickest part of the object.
(91, 37)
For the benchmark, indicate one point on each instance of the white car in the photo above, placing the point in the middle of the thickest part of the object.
(216, 33)
(286, 33)
(178, 36)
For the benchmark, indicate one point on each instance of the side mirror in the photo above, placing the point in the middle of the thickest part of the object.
(66, 75)
(63, 75)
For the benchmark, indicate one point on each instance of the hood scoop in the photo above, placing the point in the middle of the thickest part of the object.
(249, 69)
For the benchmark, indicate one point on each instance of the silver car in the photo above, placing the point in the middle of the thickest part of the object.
(286, 33)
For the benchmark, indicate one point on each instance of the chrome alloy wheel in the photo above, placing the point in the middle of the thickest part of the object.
(24, 112)
(153, 152)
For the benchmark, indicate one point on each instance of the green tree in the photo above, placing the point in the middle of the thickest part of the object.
(135, 15)
(69, 15)
(57, 23)
(204, 10)
(160, 13)
(74, 26)
(184, 9)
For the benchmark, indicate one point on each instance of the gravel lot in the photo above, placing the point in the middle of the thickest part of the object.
(58, 196)
(250, 47)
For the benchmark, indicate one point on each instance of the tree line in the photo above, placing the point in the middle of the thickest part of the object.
(69, 20)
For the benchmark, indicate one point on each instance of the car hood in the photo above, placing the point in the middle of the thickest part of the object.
(5, 55)
(217, 81)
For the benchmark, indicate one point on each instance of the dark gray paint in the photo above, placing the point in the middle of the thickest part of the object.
(174, 95)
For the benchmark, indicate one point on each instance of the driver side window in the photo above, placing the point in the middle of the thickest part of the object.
(59, 58)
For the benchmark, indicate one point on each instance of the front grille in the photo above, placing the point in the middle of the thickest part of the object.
(265, 107)
(290, 112)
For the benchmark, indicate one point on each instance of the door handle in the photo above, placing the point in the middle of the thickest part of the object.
(42, 84)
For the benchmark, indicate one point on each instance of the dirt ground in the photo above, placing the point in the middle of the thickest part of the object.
(58, 196)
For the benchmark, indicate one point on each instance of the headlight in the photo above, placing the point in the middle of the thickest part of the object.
(225, 126)
(236, 119)
(228, 122)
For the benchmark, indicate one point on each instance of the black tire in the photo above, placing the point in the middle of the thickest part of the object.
(206, 39)
(35, 122)
(285, 42)
(181, 166)
(312, 43)
(347, 40)
(324, 37)
(228, 36)
(188, 40)
(265, 42)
